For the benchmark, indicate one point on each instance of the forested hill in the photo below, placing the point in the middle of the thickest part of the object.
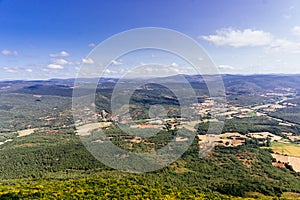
(232, 83)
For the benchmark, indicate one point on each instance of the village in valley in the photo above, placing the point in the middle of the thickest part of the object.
(285, 146)
(284, 143)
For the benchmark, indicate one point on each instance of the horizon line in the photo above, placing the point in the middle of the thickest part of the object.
(221, 74)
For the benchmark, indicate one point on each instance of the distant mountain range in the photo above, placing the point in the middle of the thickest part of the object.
(234, 84)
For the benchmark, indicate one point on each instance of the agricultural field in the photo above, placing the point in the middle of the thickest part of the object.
(289, 149)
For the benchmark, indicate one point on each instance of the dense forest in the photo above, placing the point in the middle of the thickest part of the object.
(45, 165)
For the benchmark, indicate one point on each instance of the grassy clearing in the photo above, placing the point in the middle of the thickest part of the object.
(252, 114)
(291, 195)
(289, 149)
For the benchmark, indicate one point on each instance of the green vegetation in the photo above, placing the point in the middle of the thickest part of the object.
(26, 110)
(252, 114)
(290, 114)
(249, 100)
(57, 166)
(52, 163)
(115, 187)
(253, 124)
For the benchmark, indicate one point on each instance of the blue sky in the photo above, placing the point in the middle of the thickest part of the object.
(48, 39)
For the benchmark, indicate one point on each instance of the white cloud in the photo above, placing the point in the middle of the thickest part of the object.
(64, 54)
(16, 69)
(114, 62)
(55, 66)
(238, 38)
(296, 30)
(285, 46)
(91, 44)
(200, 58)
(250, 38)
(12, 69)
(61, 62)
(74, 63)
(225, 67)
(153, 70)
(60, 54)
(107, 71)
(89, 61)
(7, 52)
(174, 64)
